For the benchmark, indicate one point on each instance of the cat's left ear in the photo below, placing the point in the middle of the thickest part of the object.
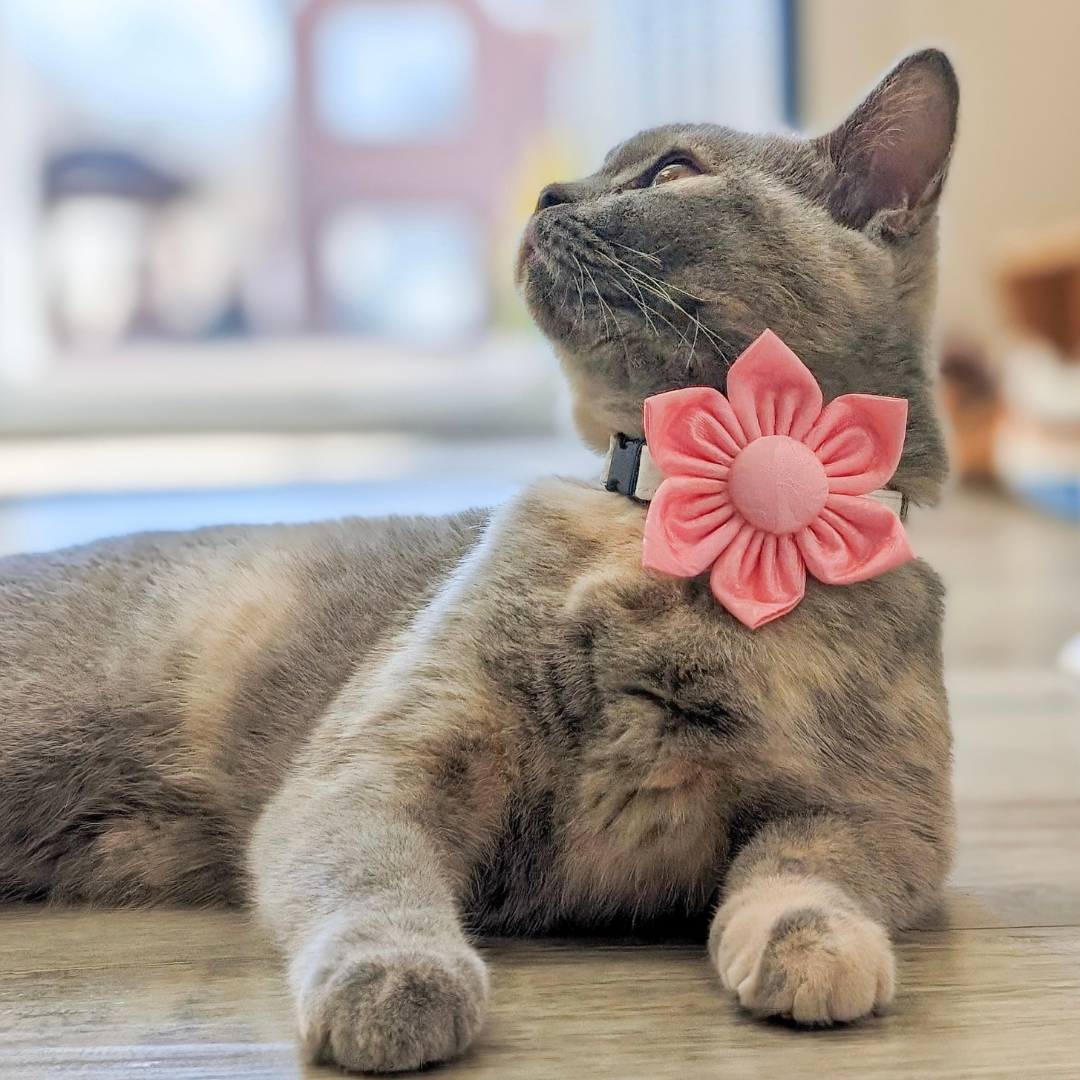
(891, 155)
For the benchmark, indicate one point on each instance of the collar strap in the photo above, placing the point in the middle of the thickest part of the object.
(631, 471)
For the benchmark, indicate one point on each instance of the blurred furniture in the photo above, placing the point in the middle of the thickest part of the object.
(1039, 285)
(972, 398)
(1036, 444)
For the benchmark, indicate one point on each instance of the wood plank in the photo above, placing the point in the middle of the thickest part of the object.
(141, 996)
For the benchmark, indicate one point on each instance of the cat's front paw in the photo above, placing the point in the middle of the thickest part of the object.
(797, 947)
(392, 1009)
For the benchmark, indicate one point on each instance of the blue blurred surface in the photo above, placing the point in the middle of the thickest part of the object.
(46, 524)
(1060, 497)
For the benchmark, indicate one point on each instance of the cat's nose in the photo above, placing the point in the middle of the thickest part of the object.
(553, 195)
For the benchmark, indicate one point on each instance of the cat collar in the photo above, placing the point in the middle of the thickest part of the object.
(765, 484)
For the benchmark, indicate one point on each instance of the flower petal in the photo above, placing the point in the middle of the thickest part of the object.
(758, 577)
(853, 539)
(690, 521)
(772, 391)
(859, 439)
(692, 432)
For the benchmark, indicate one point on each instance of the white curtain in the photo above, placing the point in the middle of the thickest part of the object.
(647, 62)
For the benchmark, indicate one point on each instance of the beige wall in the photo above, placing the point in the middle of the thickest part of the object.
(1017, 163)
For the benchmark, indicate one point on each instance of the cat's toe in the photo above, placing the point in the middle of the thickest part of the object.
(821, 966)
(394, 1010)
(818, 961)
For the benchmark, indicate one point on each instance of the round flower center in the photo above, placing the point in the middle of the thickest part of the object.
(778, 484)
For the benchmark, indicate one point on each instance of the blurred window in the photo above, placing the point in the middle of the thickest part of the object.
(390, 72)
(414, 273)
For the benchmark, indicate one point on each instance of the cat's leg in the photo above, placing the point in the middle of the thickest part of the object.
(810, 902)
(359, 864)
(388, 981)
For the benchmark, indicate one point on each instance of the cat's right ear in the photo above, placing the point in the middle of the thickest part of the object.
(889, 158)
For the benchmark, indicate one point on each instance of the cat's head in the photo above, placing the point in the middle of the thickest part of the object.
(659, 269)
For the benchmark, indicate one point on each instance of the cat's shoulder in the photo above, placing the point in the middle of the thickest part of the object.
(580, 515)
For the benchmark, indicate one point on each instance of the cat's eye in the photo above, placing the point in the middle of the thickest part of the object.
(675, 170)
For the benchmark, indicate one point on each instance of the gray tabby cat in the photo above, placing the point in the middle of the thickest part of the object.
(413, 731)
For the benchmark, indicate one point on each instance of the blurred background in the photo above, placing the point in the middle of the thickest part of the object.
(255, 255)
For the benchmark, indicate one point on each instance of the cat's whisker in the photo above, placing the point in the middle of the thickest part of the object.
(626, 270)
(693, 345)
(600, 245)
(641, 304)
(646, 308)
(605, 307)
(660, 290)
(666, 285)
(596, 292)
(579, 281)
(634, 251)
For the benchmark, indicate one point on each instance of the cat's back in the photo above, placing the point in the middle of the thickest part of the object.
(157, 685)
(116, 608)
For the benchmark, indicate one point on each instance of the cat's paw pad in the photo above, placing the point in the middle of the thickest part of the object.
(799, 949)
(391, 1010)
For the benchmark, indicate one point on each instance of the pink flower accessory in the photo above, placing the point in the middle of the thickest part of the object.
(765, 484)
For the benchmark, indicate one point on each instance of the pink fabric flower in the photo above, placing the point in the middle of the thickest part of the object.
(765, 484)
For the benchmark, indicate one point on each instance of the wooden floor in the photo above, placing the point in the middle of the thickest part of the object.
(990, 988)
